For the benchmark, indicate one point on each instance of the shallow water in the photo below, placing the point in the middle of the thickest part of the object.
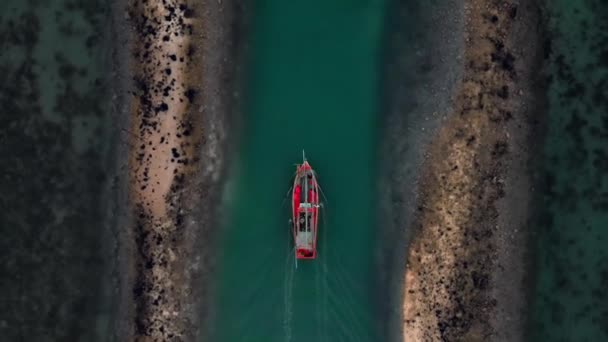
(572, 276)
(420, 71)
(313, 86)
(55, 138)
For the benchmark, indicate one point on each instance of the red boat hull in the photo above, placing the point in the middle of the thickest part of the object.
(305, 212)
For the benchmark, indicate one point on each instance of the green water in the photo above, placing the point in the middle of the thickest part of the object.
(312, 85)
(570, 300)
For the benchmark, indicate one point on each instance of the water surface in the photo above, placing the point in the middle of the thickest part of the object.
(570, 295)
(313, 86)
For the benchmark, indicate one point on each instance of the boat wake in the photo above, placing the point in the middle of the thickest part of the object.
(323, 289)
(348, 320)
(288, 283)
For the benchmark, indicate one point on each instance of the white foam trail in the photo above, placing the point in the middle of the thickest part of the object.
(343, 300)
(288, 291)
(287, 301)
(318, 306)
(325, 293)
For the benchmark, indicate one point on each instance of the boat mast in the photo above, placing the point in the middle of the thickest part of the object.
(306, 197)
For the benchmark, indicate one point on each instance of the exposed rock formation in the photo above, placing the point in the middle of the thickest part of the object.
(462, 235)
(178, 105)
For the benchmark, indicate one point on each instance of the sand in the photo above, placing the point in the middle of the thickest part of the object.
(468, 226)
(176, 102)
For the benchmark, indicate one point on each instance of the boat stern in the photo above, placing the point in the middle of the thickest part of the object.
(305, 253)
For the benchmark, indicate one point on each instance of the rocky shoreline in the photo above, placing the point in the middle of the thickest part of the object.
(421, 69)
(465, 270)
(176, 102)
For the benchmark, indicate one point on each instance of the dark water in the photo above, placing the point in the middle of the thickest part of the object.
(571, 298)
(54, 144)
(312, 85)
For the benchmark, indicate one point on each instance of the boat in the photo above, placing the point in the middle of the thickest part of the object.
(305, 210)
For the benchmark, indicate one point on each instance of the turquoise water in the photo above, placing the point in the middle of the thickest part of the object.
(312, 85)
(571, 303)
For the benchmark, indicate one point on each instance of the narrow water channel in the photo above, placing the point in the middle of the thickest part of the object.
(313, 74)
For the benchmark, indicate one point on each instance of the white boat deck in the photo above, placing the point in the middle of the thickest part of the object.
(305, 239)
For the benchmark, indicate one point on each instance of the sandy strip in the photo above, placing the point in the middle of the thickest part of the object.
(458, 246)
(165, 134)
(178, 103)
